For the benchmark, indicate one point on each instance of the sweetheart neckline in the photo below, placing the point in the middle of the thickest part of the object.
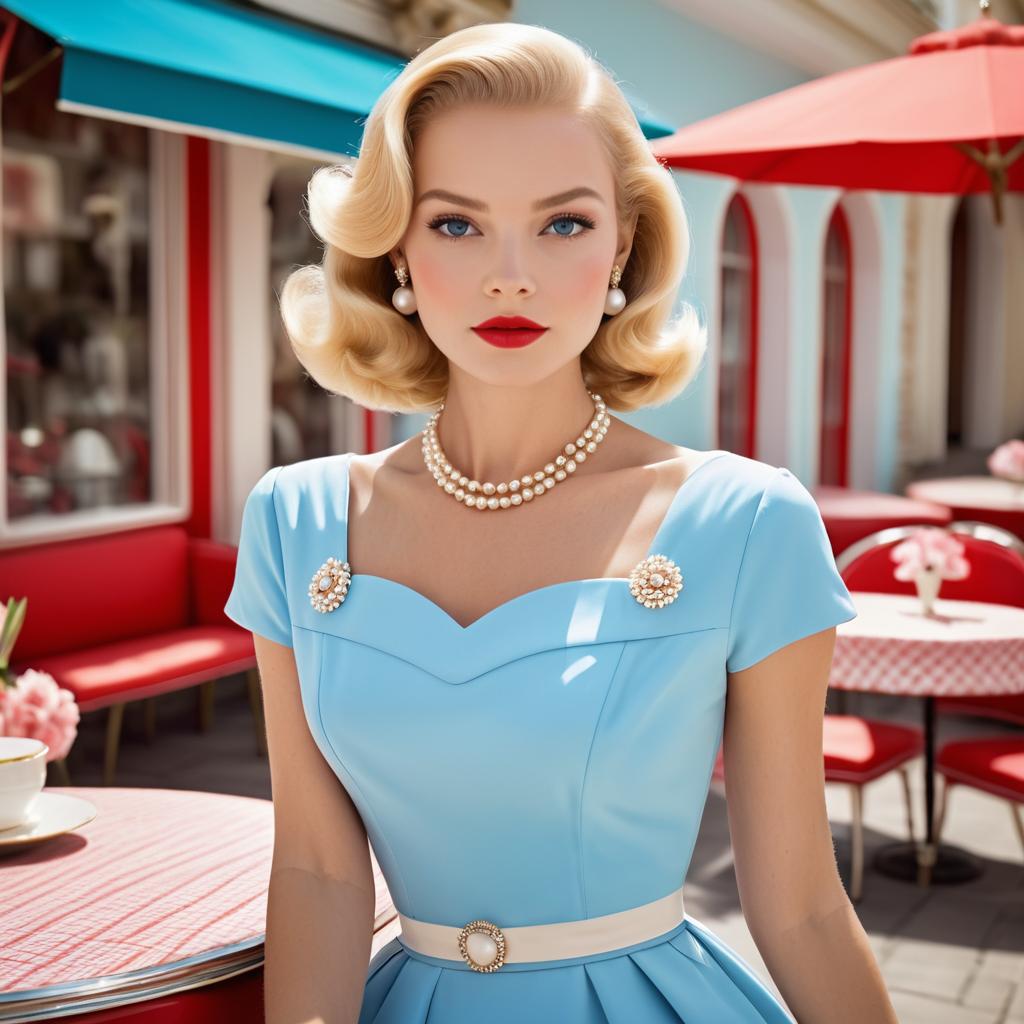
(674, 506)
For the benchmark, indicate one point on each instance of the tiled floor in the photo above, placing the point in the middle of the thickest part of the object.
(950, 955)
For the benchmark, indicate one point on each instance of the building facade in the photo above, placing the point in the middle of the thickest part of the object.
(857, 338)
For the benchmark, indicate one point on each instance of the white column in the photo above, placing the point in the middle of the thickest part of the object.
(243, 355)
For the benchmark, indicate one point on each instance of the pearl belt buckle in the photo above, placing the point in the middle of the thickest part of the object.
(485, 940)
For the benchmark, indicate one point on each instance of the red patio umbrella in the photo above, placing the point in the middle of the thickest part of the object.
(948, 117)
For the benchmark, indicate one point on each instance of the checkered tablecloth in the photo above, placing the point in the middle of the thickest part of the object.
(967, 648)
(157, 877)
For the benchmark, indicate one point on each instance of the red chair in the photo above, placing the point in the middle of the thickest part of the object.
(997, 576)
(994, 765)
(128, 616)
(858, 751)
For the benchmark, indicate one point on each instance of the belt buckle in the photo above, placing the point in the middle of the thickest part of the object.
(485, 939)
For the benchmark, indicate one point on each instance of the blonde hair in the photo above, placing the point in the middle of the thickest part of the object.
(338, 315)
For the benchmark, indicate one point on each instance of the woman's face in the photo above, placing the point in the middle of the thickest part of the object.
(508, 239)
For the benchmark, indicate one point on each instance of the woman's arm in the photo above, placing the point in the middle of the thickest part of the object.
(790, 890)
(320, 905)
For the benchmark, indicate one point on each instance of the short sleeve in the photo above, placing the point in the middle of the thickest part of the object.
(258, 599)
(788, 585)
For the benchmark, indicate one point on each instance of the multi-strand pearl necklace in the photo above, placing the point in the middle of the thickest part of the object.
(507, 495)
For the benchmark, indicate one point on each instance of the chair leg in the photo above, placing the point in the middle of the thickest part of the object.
(940, 807)
(252, 678)
(1018, 820)
(114, 720)
(149, 718)
(857, 843)
(908, 803)
(206, 698)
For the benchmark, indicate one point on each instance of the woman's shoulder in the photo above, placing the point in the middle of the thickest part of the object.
(306, 473)
(765, 505)
(734, 478)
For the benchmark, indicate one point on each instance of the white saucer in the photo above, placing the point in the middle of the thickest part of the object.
(53, 814)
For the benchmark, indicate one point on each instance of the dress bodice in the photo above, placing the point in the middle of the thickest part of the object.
(551, 760)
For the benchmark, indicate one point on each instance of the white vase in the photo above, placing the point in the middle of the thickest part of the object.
(928, 582)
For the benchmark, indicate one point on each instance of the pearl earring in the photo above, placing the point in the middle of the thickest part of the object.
(403, 299)
(615, 301)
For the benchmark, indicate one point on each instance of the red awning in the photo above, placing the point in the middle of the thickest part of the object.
(948, 117)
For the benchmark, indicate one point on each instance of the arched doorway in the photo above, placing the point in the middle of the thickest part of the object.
(833, 459)
(737, 372)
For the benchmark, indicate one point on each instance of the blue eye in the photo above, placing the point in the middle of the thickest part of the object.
(438, 222)
(572, 222)
(458, 221)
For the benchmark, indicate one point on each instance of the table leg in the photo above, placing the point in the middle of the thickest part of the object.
(926, 854)
(928, 862)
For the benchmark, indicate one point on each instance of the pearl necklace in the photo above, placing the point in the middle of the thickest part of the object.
(488, 495)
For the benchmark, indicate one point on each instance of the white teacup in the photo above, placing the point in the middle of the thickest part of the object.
(22, 777)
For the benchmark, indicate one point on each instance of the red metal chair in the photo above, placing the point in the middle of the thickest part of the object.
(993, 765)
(858, 751)
(128, 616)
(997, 576)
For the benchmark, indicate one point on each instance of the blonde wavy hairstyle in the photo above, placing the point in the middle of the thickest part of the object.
(338, 314)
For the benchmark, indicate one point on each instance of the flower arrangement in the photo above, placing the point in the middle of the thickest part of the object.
(1007, 462)
(33, 705)
(929, 556)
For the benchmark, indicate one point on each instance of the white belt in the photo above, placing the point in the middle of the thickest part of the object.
(485, 946)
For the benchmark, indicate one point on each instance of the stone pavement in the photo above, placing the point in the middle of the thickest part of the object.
(950, 955)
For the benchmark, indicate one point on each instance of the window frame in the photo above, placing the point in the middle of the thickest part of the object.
(168, 377)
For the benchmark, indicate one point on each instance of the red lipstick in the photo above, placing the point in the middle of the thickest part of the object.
(509, 331)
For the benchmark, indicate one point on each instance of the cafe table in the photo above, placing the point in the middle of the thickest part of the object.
(986, 499)
(155, 911)
(850, 515)
(963, 648)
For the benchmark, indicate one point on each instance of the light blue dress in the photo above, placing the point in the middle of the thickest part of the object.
(550, 761)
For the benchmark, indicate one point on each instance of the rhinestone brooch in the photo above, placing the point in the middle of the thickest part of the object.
(656, 581)
(329, 585)
(484, 940)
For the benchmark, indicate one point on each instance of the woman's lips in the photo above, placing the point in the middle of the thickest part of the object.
(504, 337)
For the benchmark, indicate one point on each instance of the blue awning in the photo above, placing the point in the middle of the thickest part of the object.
(211, 68)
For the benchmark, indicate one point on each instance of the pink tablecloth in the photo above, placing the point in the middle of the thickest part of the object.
(161, 887)
(965, 648)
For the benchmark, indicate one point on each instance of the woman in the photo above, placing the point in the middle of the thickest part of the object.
(501, 650)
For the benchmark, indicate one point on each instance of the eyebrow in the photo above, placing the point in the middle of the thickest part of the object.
(540, 204)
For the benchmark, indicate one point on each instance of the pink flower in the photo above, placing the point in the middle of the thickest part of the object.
(1007, 461)
(38, 708)
(930, 547)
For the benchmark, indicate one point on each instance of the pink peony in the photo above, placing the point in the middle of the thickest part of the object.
(1007, 461)
(930, 547)
(38, 708)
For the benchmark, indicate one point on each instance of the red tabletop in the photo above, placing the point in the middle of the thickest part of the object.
(162, 891)
(988, 499)
(964, 648)
(851, 515)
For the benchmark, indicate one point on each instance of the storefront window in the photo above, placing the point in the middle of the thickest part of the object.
(76, 279)
(307, 422)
